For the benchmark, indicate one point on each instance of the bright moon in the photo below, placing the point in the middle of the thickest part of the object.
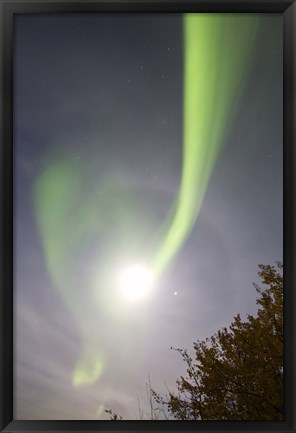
(136, 282)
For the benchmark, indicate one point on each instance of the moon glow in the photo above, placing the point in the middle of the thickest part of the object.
(136, 282)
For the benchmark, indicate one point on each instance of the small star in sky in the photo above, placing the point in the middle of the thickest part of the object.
(269, 156)
(175, 293)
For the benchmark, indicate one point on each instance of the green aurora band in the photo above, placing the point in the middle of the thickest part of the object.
(217, 48)
(216, 53)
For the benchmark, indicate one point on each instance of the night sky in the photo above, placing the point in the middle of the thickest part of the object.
(98, 148)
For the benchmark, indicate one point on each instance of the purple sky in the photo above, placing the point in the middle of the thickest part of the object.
(107, 91)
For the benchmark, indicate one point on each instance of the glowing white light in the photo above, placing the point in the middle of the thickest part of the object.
(136, 282)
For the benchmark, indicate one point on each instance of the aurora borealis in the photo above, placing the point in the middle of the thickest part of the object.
(210, 91)
(127, 151)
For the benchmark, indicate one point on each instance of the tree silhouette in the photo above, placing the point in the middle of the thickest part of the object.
(237, 374)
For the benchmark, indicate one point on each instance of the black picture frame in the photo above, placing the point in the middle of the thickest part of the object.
(8, 9)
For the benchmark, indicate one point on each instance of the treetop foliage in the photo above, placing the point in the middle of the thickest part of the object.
(236, 374)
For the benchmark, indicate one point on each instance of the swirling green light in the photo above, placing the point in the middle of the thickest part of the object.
(216, 51)
(70, 213)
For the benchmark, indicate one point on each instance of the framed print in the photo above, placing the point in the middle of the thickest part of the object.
(147, 216)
